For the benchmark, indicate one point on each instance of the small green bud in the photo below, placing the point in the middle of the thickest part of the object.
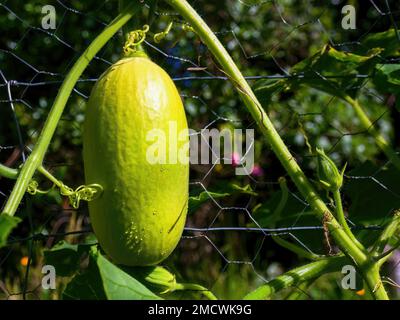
(157, 279)
(328, 174)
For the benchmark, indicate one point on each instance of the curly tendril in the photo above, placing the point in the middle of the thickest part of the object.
(188, 27)
(135, 38)
(161, 35)
(33, 188)
(84, 192)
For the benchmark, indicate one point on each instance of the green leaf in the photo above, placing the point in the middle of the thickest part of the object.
(266, 89)
(387, 78)
(104, 280)
(388, 41)
(7, 224)
(118, 285)
(247, 189)
(196, 201)
(86, 285)
(199, 196)
(65, 257)
(333, 71)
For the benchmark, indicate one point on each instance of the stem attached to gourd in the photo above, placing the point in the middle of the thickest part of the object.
(36, 157)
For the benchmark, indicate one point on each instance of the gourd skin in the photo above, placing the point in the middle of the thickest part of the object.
(139, 217)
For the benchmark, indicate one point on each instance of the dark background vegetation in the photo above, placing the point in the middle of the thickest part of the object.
(267, 39)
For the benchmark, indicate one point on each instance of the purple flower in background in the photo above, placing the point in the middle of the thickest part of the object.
(257, 171)
(235, 159)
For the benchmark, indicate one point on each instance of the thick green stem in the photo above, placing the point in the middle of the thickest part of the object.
(367, 124)
(345, 243)
(374, 282)
(7, 172)
(299, 275)
(342, 219)
(296, 249)
(11, 173)
(299, 293)
(267, 128)
(37, 155)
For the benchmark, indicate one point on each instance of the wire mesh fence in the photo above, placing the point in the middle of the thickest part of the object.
(227, 243)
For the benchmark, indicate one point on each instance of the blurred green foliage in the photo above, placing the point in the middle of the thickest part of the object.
(265, 38)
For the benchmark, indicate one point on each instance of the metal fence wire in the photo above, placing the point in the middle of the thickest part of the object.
(224, 236)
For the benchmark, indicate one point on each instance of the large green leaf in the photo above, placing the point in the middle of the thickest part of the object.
(266, 89)
(334, 72)
(388, 41)
(104, 280)
(118, 285)
(329, 70)
(387, 79)
(7, 224)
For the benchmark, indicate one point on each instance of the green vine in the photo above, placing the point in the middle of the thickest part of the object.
(367, 262)
(369, 270)
(35, 159)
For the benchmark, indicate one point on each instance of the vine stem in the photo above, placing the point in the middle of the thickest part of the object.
(12, 173)
(35, 159)
(342, 219)
(297, 276)
(8, 172)
(345, 243)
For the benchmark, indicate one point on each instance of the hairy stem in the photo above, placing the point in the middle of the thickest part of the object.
(265, 125)
(36, 157)
(298, 275)
(299, 293)
(342, 219)
(373, 279)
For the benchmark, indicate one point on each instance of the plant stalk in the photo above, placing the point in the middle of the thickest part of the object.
(344, 242)
(36, 157)
(298, 275)
(342, 219)
(266, 127)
